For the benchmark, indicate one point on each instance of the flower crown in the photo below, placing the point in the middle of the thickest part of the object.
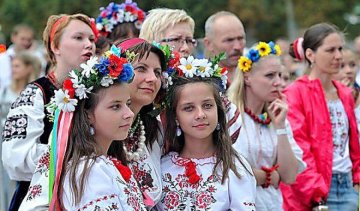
(189, 68)
(111, 67)
(115, 14)
(260, 50)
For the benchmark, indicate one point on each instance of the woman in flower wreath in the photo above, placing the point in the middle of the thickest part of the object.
(144, 143)
(69, 40)
(201, 170)
(90, 112)
(265, 138)
(321, 113)
(118, 22)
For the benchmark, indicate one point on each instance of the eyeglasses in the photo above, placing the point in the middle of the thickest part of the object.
(180, 41)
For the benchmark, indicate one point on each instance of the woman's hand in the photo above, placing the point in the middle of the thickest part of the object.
(277, 111)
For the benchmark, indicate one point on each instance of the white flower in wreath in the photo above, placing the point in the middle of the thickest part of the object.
(204, 67)
(88, 67)
(81, 91)
(99, 26)
(64, 102)
(74, 79)
(167, 80)
(106, 81)
(187, 66)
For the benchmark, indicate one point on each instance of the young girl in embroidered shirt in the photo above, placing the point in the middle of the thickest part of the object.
(100, 116)
(201, 171)
(265, 139)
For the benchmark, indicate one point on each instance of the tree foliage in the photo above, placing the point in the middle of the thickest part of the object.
(263, 19)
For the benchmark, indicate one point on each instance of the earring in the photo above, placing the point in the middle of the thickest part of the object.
(178, 129)
(312, 64)
(218, 126)
(92, 130)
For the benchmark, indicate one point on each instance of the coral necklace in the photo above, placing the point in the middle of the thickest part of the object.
(263, 119)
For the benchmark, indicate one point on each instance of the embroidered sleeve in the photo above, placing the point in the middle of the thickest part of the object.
(21, 148)
(37, 197)
(295, 148)
(240, 199)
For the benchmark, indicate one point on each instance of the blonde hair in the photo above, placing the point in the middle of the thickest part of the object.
(60, 28)
(236, 91)
(28, 60)
(160, 19)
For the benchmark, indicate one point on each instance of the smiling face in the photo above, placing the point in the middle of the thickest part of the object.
(263, 82)
(147, 80)
(196, 111)
(112, 117)
(76, 45)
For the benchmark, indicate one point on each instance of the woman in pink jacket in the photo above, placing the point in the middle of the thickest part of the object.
(321, 114)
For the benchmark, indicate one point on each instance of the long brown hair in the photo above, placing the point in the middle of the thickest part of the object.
(82, 145)
(225, 154)
(151, 125)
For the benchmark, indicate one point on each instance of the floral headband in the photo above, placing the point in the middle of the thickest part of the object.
(115, 14)
(260, 50)
(111, 67)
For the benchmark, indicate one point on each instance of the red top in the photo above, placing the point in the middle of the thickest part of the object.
(310, 120)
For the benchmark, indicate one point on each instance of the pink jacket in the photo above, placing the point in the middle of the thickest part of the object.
(310, 120)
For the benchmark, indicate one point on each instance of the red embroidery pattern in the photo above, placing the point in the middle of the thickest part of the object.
(142, 174)
(43, 164)
(34, 191)
(96, 204)
(176, 192)
(132, 191)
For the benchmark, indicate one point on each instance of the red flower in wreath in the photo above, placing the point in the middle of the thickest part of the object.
(203, 200)
(68, 85)
(172, 200)
(116, 65)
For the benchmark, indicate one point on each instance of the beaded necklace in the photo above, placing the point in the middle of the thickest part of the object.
(262, 118)
(136, 137)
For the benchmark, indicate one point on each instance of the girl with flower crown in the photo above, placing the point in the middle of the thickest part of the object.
(265, 138)
(95, 104)
(69, 40)
(321, 113)
(201, 170)
(142, 148)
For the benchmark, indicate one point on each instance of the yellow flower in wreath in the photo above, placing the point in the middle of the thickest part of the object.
(263, 48)
(244, 64)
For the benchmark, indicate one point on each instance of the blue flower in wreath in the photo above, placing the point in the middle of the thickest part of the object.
(128, 72)
(253, 55)
(272, 47)
(102, 66)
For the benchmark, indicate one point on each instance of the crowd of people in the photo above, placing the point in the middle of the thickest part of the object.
(119, 113)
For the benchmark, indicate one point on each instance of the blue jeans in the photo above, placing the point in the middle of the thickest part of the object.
(342, 195)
